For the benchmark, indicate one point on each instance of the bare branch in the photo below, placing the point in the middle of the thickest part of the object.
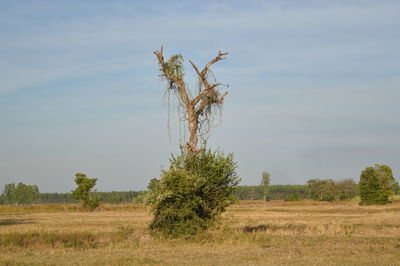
(216, 59)
(160, 58)
(195, 67)
(206, 102)
(221, 100)
(204, 93)
(203, 78)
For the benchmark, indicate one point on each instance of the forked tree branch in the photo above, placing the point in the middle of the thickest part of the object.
(216, 59)
(171, 78)
(202, 76)
(201, 104)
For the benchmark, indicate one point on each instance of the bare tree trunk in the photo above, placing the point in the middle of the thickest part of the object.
(201, 104)
(193, 128)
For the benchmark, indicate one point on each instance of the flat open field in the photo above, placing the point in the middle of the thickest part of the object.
(252, 233)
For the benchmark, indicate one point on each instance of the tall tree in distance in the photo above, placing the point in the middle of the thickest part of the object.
(8, 194)
(265, 180)
(198, 110)
(20, 194)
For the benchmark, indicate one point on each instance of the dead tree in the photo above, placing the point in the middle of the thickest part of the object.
(198, 110)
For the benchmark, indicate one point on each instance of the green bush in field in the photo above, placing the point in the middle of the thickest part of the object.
(192, 193)
(376, 185)
(83, 192)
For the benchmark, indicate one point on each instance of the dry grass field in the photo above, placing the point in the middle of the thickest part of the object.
(251, 233)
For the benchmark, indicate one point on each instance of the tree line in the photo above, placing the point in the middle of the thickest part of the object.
(22, 194)
(19, 194)
(106, 197)
(315, 189)
(275, 192)
(375, 186)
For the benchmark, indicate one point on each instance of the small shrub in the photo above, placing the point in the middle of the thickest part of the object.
(254, 229)
(192, 193)
(84, 193)
(376, 185)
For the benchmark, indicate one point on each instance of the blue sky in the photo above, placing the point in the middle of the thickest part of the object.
(314, 88)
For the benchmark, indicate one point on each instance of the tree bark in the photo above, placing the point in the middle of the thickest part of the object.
(193, 128)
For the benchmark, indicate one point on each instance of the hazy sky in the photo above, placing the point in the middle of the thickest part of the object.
(314, 88)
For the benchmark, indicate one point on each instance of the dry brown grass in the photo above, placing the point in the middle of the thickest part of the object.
(252, 233)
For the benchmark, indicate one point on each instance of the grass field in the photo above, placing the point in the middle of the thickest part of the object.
(251, 233)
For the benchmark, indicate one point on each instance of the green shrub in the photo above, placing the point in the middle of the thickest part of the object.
(192, 193)
(84, 193)
(376, 185)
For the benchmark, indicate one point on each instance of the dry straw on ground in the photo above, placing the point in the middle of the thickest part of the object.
(252, 233)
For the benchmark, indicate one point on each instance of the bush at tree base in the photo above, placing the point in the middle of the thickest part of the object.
(376, 185)
(192, 193)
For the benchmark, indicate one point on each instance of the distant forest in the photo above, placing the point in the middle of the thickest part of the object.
(276, 192)
(325, 190)
(106, 197)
